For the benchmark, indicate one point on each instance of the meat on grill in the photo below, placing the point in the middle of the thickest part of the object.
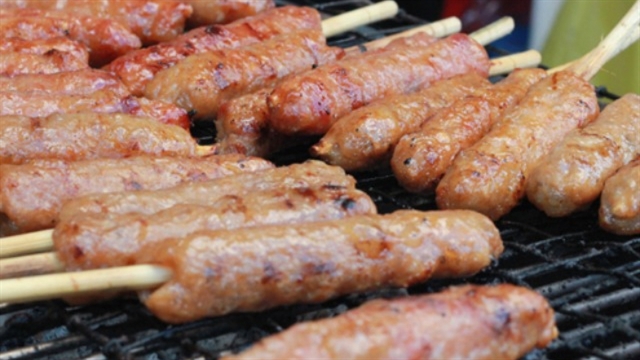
(573, 174)
(32, 194)
(225, 11)
(461, 322)
(366, 137)
(253, 269)
(104, 101)
(54, 61)
(43, 46)
(106, 39)
(151, 20)
(105, 240)
(138, 67)
(86, 136)
(201, 82)
(81, 82)
(421, 158)
(310, 174)
(311, 102)
(620, 201)
(490, 176)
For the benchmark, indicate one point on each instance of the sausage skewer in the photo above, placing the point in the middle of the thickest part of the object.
(224, 11)
(367, 251)
(620, 201)
(138, 67)
(451, 324)
(490, 176)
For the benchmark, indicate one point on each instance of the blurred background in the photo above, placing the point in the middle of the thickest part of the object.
(562, 30)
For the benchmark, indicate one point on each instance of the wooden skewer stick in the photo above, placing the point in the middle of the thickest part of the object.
(37, 264)
(26, 243)
(494, 31)
(363, 16)
(506, 64)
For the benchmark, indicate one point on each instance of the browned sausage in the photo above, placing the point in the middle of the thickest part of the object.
(152, 20)
(225, 11)
(490, 176)
(52, 62)
(44, 46)
(252, 269)
(201, 82)
(81, 82)
(104, 101)
(105, 240)
(32, 194)
(137, 68)
(106, 39)
(86, 136)
(463, 322)
(305, 175)
(366, 137)
(620, 201)
(420, 159)
(573, 174)
(311, 102)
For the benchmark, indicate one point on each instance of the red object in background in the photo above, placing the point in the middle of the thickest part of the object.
(475, 14)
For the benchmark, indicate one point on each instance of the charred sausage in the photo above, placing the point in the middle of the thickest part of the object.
(225, 11)
(82, 82)
(620, 201)
(54, 61)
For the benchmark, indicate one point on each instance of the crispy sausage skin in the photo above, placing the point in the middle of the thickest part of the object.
(313, 262)
(573, 174)
(152, 20)
(366, 137)
(81, 82)
(620, 201)
(86, 136)
(201, 82)
(74, 51)
(106, 39)
(225, 11)
(462, 322)
(54, 61)
(311, 102)
(99, 240)
(421, 158)
(32, 194)
(490, 176)
(306, 175)
(137, 68)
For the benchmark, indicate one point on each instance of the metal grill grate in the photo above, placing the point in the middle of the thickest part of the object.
(591, 278)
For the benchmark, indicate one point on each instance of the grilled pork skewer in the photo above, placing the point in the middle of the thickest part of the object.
(225, 11)
(152, 20)
(12, 64)
(105, 39)
(81, 82)
(573, 174)
(286, 265)
(620, 201)
(137, 68)
(463, 322)
(31, 195)
(490, 177)
(309, 103)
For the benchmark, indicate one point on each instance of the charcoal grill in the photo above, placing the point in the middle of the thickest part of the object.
(591, 278)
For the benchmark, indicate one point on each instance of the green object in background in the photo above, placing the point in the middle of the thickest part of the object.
(580, 25)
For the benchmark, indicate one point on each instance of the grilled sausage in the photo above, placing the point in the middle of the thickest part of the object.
(366, 137)
(201, 82)
(137, 68)
(52, 62)
(420, 159)
(311, 102)
(463, 322)
(314, 262)
(573, 174)
(106, 39)
(45, 46)
(620, 201)
(104, 240)
(104, 101)
(490, 176)
(32, 194)
(152, 20)
(307, 175)
(81, 82)
(86, 136)
(225, 11)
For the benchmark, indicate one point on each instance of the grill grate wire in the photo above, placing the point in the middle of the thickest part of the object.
(591, 278)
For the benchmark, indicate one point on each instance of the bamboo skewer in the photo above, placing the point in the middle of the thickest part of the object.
(353, 19)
